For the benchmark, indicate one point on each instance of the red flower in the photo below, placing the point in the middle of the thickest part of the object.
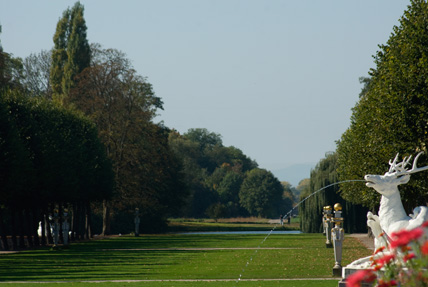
(409, 256)
(403, 237)
(382, 283)
(380, 249)
(424, 248)
(365, 275)
(384, 260)
(377, 268)
(425, 224)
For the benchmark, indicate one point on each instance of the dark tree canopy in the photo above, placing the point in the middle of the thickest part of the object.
(51, 158)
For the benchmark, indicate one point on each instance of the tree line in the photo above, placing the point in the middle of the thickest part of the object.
(51, 158)
(77, 133)
(322, 182)
(390, 117)
(224, 182)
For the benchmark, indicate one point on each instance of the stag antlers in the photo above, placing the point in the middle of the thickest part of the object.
(400, 168)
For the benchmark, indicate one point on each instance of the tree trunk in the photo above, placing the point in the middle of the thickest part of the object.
(21, 229)
(60, 220)
(106, 218)
(27, 220)
(49, 221)
(3, 233)
(13, 226)
(88, 222)
(81, 221)
(43, 227)
(35, 225)
(73, 223)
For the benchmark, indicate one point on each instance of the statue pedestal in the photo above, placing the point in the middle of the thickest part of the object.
(347, 271)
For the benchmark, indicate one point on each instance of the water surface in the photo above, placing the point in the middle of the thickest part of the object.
(243, 232)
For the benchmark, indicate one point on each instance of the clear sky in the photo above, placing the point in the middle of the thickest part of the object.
(276, 78)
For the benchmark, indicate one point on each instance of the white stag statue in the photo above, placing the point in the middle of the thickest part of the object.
(392, 216)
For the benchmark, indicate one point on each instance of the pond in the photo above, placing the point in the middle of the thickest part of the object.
(243, 232)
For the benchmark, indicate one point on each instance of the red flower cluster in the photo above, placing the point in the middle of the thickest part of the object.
(379, 263)
(424, 248)
(409, 256)
(403, 272)
(403, 237)
(383, 283)
(380, 249)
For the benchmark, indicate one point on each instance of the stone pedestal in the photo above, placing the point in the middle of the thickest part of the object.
(347, 271)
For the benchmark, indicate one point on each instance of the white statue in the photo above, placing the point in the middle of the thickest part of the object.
(392, 216)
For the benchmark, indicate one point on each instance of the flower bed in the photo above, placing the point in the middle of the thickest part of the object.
(402, 262)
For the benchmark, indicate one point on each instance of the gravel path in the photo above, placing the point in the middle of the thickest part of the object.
(364, 239)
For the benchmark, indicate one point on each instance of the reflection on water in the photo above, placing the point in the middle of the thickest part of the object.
(243, 232)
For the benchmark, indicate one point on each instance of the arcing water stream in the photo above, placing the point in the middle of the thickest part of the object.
(287, 214)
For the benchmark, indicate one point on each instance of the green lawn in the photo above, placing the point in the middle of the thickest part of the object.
(176, 257)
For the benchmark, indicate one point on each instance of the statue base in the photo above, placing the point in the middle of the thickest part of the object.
(337, 271)
(347, 271)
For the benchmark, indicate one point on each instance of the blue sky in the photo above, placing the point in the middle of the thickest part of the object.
(276, 78)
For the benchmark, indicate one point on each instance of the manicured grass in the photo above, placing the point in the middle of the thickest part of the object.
(273, 283)
(128, 258)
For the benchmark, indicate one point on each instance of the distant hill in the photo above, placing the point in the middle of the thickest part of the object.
(294, 173)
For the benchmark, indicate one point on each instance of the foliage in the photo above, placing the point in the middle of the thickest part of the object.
(71, 53)
(311, 209)
(15, 161)
(36, 74)
(216, 211)
(391, 114)
(261, 193)
(10, 71)
(56, 159)
(214, 173)
(288, 198)
(123, 104)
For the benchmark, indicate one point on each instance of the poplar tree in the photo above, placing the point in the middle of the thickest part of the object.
(71, 53)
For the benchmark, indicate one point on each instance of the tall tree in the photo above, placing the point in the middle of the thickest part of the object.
(71, 53)
(323, 175)
(36, 74)
(123, 104)
(10, 70)
(261, 193)
(391, 114)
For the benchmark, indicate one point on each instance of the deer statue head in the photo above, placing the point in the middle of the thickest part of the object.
(398, 174)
